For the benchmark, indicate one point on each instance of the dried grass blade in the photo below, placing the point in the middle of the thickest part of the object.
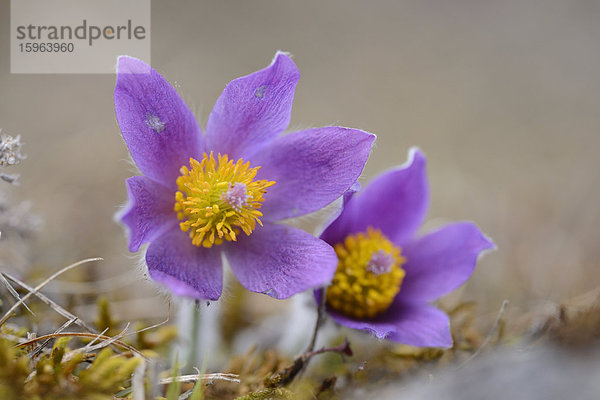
(52, 304)
(44, 283)
(205, 377)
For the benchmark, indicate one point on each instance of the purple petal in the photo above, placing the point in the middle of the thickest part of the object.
(149, 212)
(281, 261)
(185, 269)
(253, 109)
(415, 324)
(395, 202)
(441, 261)
(310, 168)
(158, 127)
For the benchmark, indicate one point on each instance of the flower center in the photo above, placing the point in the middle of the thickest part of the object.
(368, 275)
(218, 198)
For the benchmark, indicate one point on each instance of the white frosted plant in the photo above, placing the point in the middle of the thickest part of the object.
(10, 154)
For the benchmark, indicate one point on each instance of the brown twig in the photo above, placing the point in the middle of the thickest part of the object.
(90, 348)
(98, 335)
(289, 373)
(80, 334)
(39, 349)
(344, 348)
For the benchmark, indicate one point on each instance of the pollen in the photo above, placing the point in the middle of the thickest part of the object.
(368, 275)
(218, 199)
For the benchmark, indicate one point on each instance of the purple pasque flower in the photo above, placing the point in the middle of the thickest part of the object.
(202, 195)
(386, 276)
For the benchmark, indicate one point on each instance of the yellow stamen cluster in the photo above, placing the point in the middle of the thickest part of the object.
(218, 198)
(368, 276)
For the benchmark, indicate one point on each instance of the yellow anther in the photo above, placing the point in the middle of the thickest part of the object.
(218, 198)
(368, 276)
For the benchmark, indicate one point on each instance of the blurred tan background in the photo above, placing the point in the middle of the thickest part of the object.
(503, 97)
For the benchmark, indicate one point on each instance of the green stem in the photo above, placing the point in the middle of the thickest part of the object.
(194, 333)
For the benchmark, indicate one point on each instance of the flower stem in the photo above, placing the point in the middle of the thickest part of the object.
(319, 321)
(194, 334)
(286, 376)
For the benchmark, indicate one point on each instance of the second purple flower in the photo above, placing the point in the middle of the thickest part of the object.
(387, 275)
